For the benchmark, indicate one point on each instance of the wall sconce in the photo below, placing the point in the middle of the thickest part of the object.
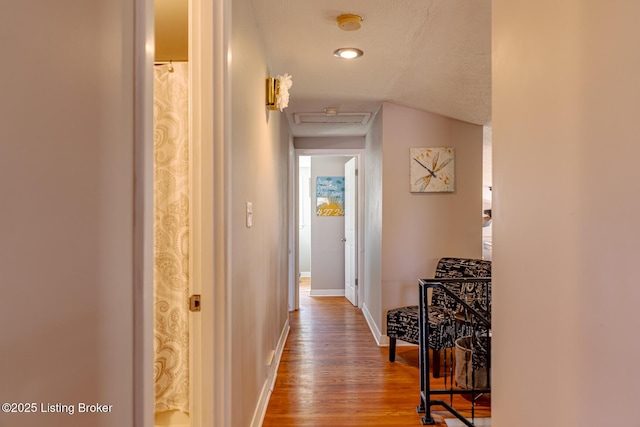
(273, 87)
(278, 92)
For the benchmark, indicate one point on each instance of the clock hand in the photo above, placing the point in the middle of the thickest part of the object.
(430, 171)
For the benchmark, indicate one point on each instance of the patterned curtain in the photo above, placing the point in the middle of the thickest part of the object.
(171, 237)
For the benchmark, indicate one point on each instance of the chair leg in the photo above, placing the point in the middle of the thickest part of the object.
(436, 363)
(392, 349)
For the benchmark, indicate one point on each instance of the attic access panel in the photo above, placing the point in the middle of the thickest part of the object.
(338, 118)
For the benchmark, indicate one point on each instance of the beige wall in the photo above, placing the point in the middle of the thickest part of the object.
(67, 185)
(565, 159)
(259, 162)
(418, 229)
(171, 30)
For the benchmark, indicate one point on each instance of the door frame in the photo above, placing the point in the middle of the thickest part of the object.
(143, 378)
(294, 289)
(210, 101)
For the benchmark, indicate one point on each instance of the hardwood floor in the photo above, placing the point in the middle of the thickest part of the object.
(333, 373)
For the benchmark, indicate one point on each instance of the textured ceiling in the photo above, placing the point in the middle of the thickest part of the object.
(432, 55)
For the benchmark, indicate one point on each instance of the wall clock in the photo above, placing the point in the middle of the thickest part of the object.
(432, 169)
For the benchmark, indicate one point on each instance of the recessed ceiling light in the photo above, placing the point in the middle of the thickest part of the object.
(348, 53)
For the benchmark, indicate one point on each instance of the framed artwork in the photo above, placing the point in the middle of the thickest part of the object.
(330, 196)
(432, 169)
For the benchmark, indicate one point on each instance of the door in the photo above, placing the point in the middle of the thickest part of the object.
(350, 246)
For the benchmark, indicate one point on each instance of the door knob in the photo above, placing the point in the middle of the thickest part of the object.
(344, 239)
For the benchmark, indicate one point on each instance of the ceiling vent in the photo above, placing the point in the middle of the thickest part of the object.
(337, 118)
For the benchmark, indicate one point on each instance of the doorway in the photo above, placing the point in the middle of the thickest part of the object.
(320, 238)
(173, 370)
(487, 193)
(189, 33)
(210, 336)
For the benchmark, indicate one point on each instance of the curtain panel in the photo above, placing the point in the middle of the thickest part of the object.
(171, 237)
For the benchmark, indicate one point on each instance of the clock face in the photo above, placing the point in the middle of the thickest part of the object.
(432, 169)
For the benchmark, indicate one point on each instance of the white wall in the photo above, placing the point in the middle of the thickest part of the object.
(418, 229)
(259, 164)
(67, 252)
(304, 216)
(327, 248)
(565, 156)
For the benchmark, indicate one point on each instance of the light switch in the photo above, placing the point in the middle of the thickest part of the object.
(249, 214)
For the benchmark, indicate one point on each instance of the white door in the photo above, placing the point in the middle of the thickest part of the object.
(350, 248)
(209, 399)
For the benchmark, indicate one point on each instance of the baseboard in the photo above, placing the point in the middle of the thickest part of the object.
(305, 274)
(272, 373)
(377, 335)
(326, 292)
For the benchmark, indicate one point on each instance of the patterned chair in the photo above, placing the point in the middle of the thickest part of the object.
(403, 324)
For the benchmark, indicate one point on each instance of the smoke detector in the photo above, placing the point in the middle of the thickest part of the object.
(349, 22)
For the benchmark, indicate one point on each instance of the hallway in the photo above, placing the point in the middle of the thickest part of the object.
(332, 372)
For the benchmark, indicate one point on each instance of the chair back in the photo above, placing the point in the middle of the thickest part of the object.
(473, 293)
